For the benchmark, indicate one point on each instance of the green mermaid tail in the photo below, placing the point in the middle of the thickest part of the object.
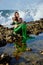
(22, 27)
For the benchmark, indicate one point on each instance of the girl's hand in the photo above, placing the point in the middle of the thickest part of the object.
(15, 26)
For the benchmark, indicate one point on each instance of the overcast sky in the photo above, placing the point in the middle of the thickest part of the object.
(19, 4)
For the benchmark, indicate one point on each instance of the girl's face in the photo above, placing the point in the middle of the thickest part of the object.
(17, 15)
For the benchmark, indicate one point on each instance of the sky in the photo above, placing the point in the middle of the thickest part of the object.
(19, 4)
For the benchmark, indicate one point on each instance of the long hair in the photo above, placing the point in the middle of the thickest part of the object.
(16, 18)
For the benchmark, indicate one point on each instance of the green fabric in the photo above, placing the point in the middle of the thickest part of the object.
(18, 28)
(22, 27)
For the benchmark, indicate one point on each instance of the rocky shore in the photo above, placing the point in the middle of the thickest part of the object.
(34, 27)
(27, 58)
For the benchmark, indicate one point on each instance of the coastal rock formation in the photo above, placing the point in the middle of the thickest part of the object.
(35, 27)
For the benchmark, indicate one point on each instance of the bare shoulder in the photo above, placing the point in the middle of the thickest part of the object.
(13, 18)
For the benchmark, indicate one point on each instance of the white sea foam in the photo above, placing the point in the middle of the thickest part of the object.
(28, 15)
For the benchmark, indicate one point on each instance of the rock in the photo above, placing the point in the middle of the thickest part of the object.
(35, 27)
(22, 63)
(41, 52)
(28, 49)
(3, 43)
(17, 53)
(39, 62)
(7, 63)
(5, 59)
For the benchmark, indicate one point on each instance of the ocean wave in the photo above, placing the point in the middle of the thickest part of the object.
(6, 17)
(27, 15)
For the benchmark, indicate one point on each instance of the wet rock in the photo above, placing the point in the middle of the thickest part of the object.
(39, 62)
(5, 64)
(3, 43)
(26, 63)
(28, 49)
(41, 52)
(22, 63)
(5, 59)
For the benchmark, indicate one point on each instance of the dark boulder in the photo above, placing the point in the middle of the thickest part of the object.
(3, 43)
(5, 58)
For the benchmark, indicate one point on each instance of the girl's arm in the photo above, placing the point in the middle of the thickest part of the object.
(13, 18)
